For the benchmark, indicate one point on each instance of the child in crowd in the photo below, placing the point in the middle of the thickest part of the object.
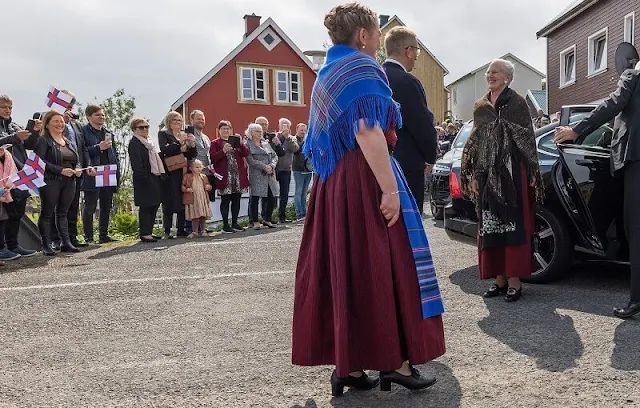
(195, 197)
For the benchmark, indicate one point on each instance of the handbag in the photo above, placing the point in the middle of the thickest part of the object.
(175, 162)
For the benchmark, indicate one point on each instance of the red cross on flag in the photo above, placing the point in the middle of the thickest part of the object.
(28, 179)
(58, 100)
(106, 176)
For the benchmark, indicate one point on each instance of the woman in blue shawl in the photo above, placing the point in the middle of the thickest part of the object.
(366, 293)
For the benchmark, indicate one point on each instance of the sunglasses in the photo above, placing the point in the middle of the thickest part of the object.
(143, 127)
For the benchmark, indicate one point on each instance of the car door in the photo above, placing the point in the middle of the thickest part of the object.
(586, 188)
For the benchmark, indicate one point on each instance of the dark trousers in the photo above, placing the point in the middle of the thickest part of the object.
(167, 220)
(632, 223)
(284, 178)
(15, 211)
(3, 231)
(105, 196)
(268, 203)
(415, 179)
(146, 219)
(232, 200)
(72, 217)
(56, 198)
(264, 208)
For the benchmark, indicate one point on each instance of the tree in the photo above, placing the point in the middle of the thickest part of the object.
(381, 54)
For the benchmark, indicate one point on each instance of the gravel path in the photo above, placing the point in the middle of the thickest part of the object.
(207, 323)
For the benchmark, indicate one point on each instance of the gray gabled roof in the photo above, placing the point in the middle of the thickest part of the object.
(569, 13)
(539, 98)
(508, 55)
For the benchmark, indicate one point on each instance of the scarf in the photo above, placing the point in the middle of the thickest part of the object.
(501, 137)
(349, 87)
(7, 169)
(154, 159)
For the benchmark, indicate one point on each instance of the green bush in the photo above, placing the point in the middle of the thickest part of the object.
(125, 223)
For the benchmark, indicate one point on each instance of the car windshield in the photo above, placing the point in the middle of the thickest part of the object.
(463, 135)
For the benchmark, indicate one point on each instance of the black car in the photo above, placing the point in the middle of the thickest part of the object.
(581, 216)
(439, 197)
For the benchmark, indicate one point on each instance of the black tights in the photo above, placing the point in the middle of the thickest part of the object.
(234, 201)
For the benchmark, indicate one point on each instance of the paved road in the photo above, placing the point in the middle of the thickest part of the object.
(207, 323)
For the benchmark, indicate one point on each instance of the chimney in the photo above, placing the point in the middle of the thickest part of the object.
(251, 22)
(384, 19)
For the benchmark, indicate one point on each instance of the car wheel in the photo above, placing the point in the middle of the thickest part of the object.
(437, 212)
(552, 253)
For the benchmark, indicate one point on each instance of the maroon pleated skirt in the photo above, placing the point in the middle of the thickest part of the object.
(512, 261)
(357, 300)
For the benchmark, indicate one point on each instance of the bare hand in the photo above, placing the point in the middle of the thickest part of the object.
(91, 171)
(268, 170)
(276, 140)
(105, 144)
(390, 207)
(37, 125)
(78, 172)
(533, 182)
(208, 187)
(227, 148)
(189, 190)
(564, 133)
(68, 172)
(428, 168)
(23, 135)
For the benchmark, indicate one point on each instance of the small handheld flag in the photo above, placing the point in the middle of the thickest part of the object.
(106, 176)
(58, 100)
(28, 179)
(35, 163)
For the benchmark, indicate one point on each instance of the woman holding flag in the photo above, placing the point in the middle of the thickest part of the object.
(61, 173)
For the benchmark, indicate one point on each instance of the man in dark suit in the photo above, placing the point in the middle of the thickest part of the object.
(74, 134)
(417, 146)
(625, 161)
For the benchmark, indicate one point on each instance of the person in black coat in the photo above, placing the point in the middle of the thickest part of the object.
(417, 147)
(147, 169)
(173, 141)
(98, 150)
(62, 169)
(74, 134)
(625, 162)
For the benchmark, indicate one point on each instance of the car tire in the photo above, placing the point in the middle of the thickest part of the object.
(552, 247)
(437, 212)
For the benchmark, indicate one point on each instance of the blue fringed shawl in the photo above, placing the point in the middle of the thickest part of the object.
(350, 86)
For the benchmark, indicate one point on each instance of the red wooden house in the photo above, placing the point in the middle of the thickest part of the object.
(266, 75)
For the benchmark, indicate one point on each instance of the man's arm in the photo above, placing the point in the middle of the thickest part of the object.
(418, 119)
(610, 107)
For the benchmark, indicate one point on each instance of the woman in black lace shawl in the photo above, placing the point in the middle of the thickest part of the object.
(500, 173)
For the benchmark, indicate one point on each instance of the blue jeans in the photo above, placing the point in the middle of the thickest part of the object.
(302, 180)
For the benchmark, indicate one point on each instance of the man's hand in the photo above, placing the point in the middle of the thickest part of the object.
(428, 168)
(23, 135)
(105, 144)
(564, 133)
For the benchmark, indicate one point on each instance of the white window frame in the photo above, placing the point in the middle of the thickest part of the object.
(254, 84)
(630, 20)
(563, 54)
(289, 91)
(276, 37)
(590, 41)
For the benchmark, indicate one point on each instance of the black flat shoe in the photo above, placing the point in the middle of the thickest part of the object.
(496, 290)
(363, 383)
(626, 312)
(415, 381)
(149, 240)
(513, 294)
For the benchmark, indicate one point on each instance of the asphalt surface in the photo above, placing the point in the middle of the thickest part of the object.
(207, 323)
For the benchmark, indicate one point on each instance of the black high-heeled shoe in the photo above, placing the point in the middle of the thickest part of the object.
(362, 383)
(513, 294)
(415, 381)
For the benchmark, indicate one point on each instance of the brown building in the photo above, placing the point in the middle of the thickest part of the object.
(581, 45)
(428, 70)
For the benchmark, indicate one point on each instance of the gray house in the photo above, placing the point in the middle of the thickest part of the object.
(472, 86)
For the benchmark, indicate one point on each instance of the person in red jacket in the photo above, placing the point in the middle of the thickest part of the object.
(231, 180)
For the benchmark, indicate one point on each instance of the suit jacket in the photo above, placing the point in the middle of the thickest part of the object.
(93, 155)
(79, 133)
(625, 103)
(417, 139)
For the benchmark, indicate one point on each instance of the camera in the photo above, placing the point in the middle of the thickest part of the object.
(269, 136)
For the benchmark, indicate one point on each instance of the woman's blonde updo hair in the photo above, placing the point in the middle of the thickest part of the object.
(344, 20)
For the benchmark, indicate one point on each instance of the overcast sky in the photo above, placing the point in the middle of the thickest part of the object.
(157, 49)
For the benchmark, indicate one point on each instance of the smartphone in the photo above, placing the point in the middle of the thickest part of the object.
(107, 137)
(30, 124)
(234, 141)
(190, 130)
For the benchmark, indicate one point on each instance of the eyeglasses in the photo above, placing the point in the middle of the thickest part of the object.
(143, 127)
(416, 48)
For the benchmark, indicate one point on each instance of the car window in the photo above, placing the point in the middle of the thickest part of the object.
(600, 137)
(462, 137)
(546, 143)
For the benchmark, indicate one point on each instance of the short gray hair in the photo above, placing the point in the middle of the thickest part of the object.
(261, 118)
(509, 67)
(284, 120)
(6, 98)
(251, 128)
